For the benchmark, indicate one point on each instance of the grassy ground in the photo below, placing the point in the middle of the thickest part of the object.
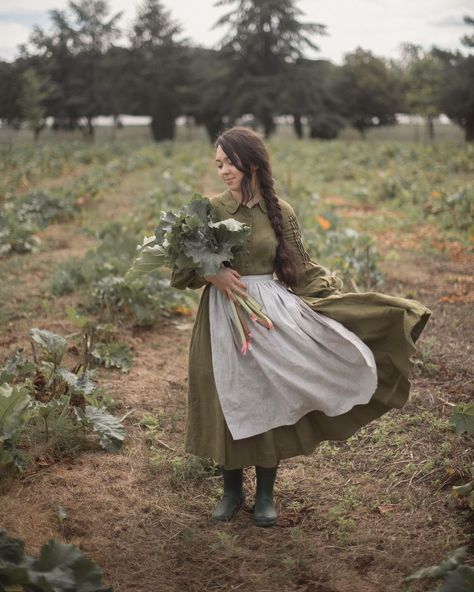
(357, 515)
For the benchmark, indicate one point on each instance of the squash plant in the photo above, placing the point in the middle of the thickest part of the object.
(43, 388)
(58, 568)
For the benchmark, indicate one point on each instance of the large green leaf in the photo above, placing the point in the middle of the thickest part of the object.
(116, 354)
(459, 580)
(110, 429)
(463, 418)
(54, 346)
(151, 257)
(14, 404)
(59, 568)
(16, 365)
(78, 385)
(452, 562)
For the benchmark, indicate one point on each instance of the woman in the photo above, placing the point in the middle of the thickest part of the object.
(333, 362)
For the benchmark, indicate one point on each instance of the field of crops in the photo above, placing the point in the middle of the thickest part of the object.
(93, 371)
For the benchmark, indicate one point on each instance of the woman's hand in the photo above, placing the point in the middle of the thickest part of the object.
(228, 282)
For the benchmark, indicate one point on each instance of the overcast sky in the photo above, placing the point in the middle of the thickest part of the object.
(378, 25)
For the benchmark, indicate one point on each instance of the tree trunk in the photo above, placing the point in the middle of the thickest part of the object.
(213, 126)
(90, 129)
(469, 129)
(162, 126)
(268, 124)
(430, 126)
(37, 130)
(297, 125)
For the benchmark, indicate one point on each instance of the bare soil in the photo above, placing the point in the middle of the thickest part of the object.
(358, 515)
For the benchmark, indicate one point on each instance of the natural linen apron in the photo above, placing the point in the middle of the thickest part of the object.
(307, 362)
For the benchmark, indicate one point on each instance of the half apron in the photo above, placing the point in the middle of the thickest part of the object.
(307, 362)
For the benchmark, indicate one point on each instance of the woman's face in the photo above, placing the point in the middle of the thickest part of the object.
(227, 171)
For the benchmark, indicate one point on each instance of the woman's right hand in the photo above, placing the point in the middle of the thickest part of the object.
(227, 280)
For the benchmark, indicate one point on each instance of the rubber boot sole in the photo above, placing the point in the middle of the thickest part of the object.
(228, 517)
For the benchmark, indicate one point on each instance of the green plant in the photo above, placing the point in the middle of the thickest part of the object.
(46, 391)
(463, 418)
(14, 411)
(457, 577)
(116, 354)
(58, 568)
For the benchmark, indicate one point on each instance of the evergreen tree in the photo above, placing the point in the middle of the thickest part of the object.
(159, 61)
(265, 37)
(72, 55)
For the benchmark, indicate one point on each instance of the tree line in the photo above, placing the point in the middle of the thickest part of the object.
(80, 68)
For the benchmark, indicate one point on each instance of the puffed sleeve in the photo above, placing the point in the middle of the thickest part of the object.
(314, 280)
(187, 279)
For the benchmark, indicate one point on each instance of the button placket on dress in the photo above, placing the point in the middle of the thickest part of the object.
(248, 216)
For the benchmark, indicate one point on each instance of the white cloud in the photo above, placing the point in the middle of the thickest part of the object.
(377, 25)
(12, 34)
(28, 6)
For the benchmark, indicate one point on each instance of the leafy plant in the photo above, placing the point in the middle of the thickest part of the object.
(463, 418)
(59, 568)
(14, 410)
(109, 428)
(350, 253)
(100, 274)
(457, 577)
(190, 238)
(116, 354)
(44, 390)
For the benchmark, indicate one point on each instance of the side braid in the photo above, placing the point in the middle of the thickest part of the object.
(285, 266)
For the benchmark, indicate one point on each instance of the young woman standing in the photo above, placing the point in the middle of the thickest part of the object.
(333, 362)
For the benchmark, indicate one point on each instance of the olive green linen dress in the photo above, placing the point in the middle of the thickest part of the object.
(388, 325)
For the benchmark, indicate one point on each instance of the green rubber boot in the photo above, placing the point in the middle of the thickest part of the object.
(233, 498)
(264, 513)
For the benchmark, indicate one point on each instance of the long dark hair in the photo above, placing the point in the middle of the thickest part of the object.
(246, 149)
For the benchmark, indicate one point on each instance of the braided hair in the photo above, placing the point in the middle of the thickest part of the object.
(247, 152)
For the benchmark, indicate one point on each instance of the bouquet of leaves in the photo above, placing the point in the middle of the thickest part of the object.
(192, 238)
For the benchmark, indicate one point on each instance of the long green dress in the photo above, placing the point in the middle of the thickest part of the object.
(388, 325)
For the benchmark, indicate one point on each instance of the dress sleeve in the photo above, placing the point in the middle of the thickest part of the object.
(314, 280)
(187, 279)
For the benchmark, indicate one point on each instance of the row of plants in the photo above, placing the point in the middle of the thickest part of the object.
(21, 217)
(99, 274)
(43, 402)
(419, 184)
(23, 166)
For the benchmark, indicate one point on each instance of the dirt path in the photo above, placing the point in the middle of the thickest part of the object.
(354, 516)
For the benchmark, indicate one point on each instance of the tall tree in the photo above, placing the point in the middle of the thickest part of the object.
(457, 99)
(73, 52)
(423, 79)
(264, 38)
(160, 62)
(35, 89)
(206, 95)
(370, 90)
(10, 93)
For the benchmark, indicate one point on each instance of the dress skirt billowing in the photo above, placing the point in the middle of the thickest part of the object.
(306, 362)
(330, 366)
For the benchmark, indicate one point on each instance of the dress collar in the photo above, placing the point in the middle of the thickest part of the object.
(231, 205)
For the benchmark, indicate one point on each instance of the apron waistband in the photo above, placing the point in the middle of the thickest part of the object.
(257, 277)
